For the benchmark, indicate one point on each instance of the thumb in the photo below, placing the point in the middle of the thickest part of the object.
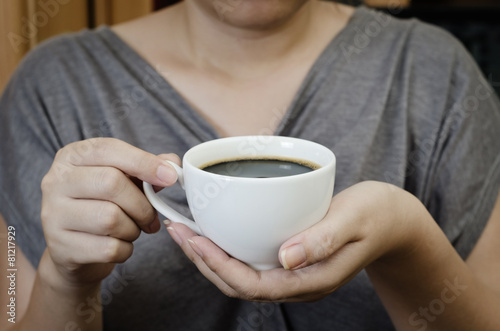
(315, 244)
(172, 175)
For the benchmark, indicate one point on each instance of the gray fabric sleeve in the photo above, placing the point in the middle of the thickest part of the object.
(464, 175)
(28, 144)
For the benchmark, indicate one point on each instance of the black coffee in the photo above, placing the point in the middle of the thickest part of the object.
(260, 168)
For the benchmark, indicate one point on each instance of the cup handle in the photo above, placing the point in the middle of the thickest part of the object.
(165, 209)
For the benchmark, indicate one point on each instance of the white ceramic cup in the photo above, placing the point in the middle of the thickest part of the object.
(250, 218)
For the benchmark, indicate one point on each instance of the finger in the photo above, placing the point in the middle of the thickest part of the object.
(182, 236)
(233, 277)
(100, 218)
(110, 184)
(78, 248)
(179, 232)
(319, 241)
(121, 155)
(167, 157)
(277, 285)
(236, 279)
(222, 270)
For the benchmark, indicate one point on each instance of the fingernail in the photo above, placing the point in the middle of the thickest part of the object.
(195, 247)
(167, 222)
(166, 173)
(293, 256)
(174, 235)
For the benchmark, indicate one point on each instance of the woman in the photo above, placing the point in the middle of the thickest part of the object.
(409, 240)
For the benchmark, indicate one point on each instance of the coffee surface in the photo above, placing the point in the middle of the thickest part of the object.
(260, 168)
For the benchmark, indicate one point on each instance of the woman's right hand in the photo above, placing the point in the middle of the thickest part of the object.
(93, 208)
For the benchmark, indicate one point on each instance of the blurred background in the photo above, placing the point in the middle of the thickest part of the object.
(26, 23)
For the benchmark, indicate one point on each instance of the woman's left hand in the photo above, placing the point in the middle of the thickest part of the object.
(367, 222)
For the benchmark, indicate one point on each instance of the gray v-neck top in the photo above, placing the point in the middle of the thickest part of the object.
(396, 100)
